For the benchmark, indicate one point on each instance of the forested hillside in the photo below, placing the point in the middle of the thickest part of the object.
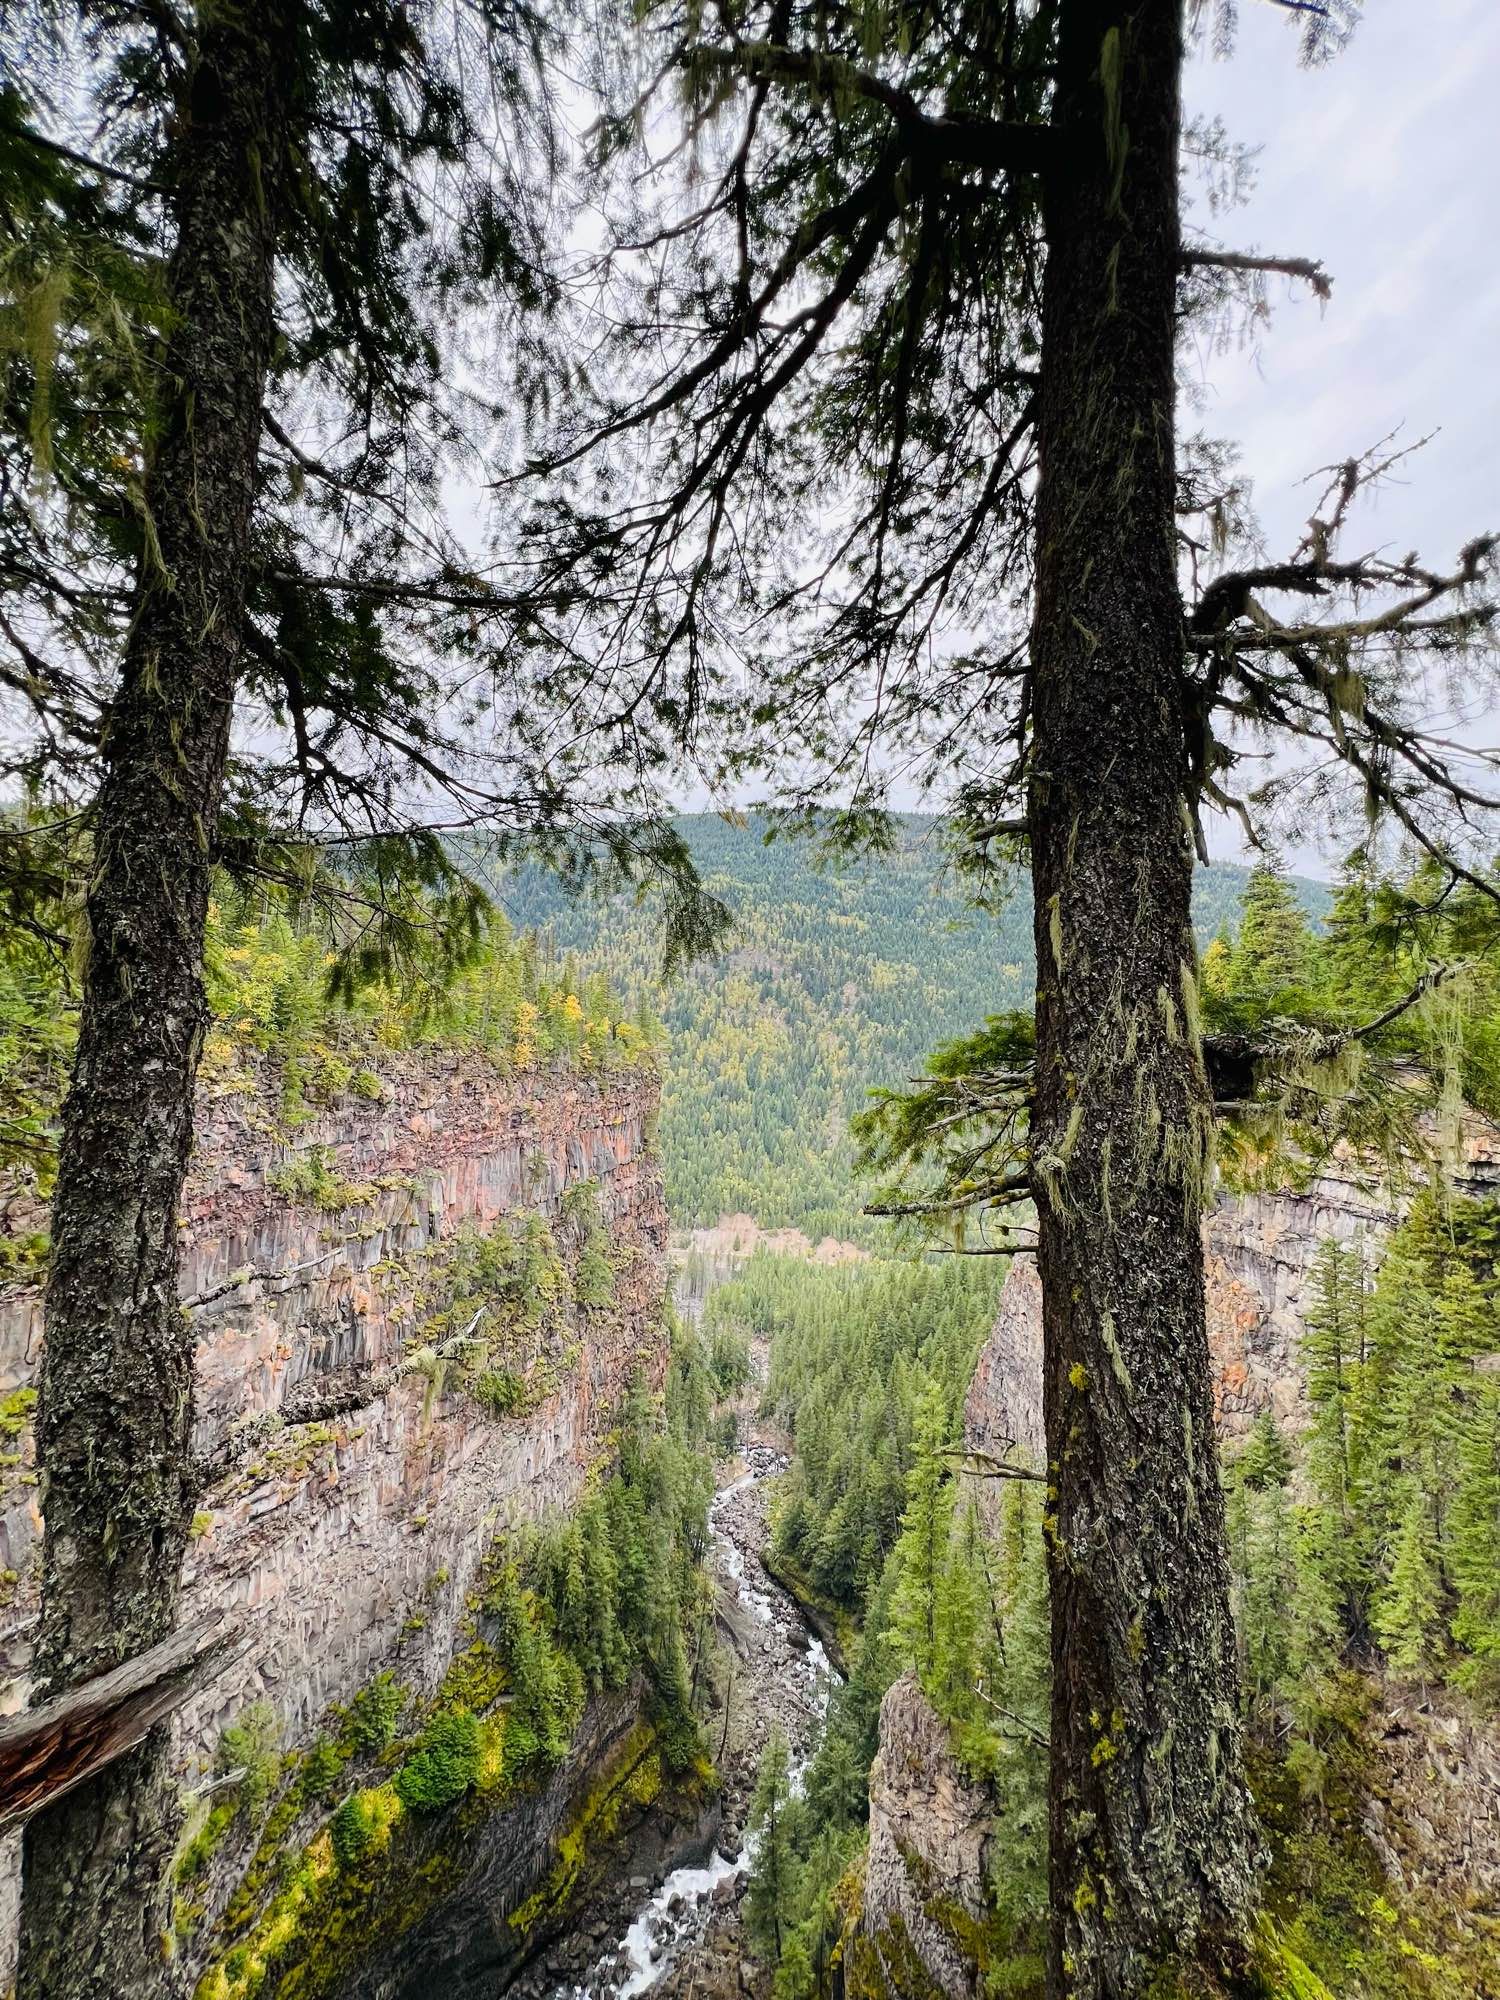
(835, 981)
(1364, 1531)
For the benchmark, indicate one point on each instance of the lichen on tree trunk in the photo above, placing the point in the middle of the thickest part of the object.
(1152, 1853)
(115, 1416)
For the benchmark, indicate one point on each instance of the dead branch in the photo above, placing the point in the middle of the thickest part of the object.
(47, 1751)
(1308, 269)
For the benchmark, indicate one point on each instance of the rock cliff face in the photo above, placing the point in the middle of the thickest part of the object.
(925, 1878)
(1258, 1252)
(357, 1470)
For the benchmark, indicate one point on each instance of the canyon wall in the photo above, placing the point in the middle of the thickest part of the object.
(1258, 1252)
(924, 1888)
(926, 1903)
(373, 1405)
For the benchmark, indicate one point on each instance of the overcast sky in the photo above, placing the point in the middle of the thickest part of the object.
(1386, 165)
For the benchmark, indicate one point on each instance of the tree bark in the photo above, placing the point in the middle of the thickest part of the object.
(1152, 1853)
(116, 1407)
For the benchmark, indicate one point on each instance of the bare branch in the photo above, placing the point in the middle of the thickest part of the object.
(988, 144)
(1308, 269)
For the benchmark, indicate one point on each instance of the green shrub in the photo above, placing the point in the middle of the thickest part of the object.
(594, 1276)
(24, 1256)
(373, 1714)
(351, 1830)
(250, 1744)
(321, 1769)
(15, 1411)
(199, 1851)
(502, 1391)
(444, 1765)
(311, 1177)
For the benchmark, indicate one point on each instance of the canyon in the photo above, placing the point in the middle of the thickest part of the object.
(360, 1477)
(362, 1453)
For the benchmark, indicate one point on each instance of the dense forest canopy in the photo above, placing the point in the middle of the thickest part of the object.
(836, 979)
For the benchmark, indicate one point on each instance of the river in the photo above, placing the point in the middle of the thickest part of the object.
(685, 1931)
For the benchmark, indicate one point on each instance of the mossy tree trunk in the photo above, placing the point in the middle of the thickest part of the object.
(1152, 1856)
(116, 1409)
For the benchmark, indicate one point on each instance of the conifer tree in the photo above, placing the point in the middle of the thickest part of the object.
(1262, 1538)
(1020, 1696)
(1333, 1538)
(1408, 1613)
(1358, 973)
(931, 297)
(960, 1621)
(1273, 953)
(1319, 1621)
(923, 1554)
(773, 1826)
(1333, 1353)
(1474, 1561)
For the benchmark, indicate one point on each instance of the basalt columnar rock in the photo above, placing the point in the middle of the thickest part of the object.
(364, 1435)
(925, 1902)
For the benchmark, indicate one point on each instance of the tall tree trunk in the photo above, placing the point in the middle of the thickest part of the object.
(116, 1410)
(1152, 1854)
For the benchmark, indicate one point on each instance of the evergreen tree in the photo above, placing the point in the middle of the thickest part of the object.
(1408, 1612)
(923, 1554)
(1357, 974)
(1474, 1561)
(1272, 957)
(1019, 1706)
(774, 1828)
(1266, 1460)
(1262, 1539)
(1319, 1622)
(1334, 1340)
(961, 1621)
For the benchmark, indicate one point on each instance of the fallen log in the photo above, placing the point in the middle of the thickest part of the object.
(46, 1751)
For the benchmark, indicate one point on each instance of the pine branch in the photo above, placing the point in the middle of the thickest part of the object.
(1004, 1193)
(990, 145)
(29, 135)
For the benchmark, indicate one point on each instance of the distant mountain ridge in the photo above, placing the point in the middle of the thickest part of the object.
(836, 980)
